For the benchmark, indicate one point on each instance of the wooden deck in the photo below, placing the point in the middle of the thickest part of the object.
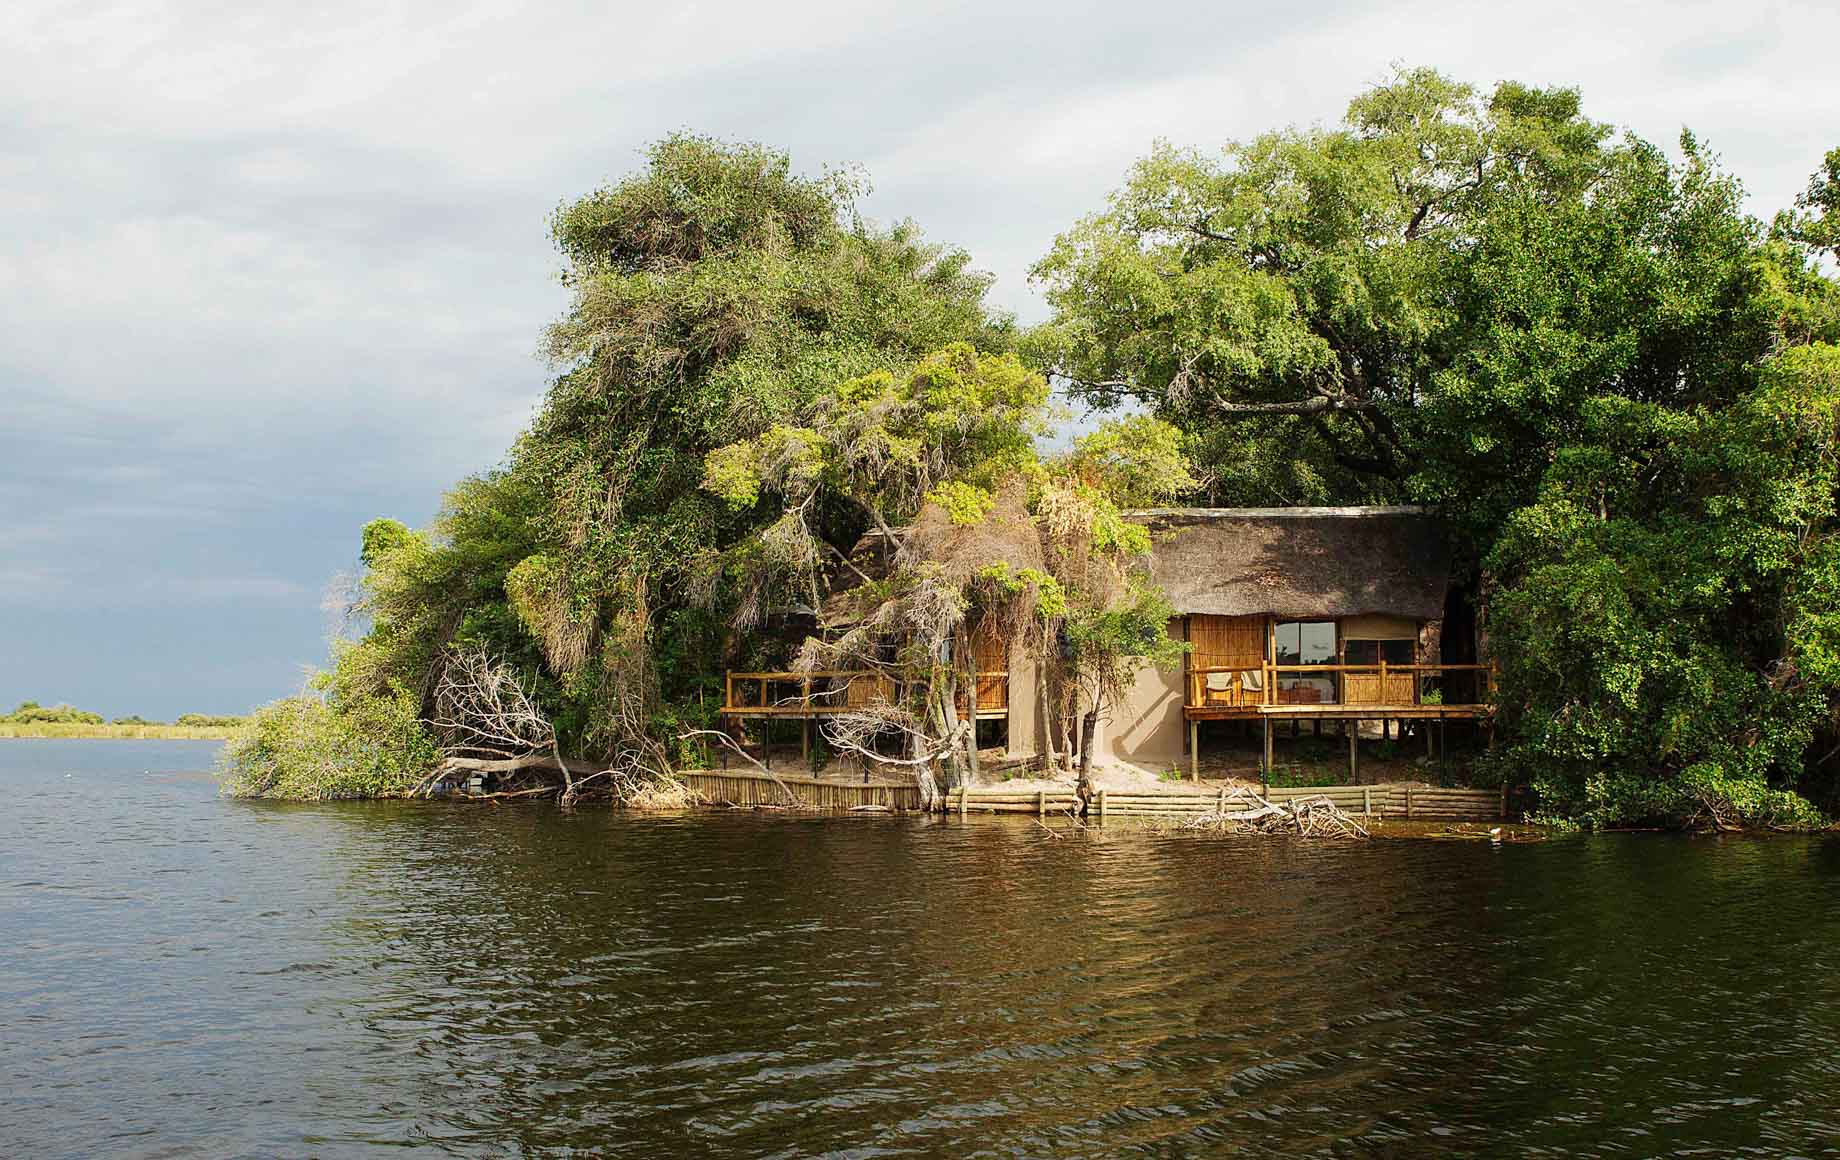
(829, 692)
(1331, 711)
(1366, 692)
(1379, 692)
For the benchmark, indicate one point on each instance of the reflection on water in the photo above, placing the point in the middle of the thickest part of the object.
(184, 975)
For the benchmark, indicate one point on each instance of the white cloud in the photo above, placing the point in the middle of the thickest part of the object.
(266, 271)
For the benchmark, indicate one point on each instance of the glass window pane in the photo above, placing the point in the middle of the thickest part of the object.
(1317, 639)
(1285, 645)
(1398, 652)
(1309, 642)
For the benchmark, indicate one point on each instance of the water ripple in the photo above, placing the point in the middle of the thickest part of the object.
(181, 975)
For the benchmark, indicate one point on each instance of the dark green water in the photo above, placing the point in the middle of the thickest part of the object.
(181, 975)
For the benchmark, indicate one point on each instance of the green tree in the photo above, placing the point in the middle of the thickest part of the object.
(1670, 606)
(941, 460)
(1462, 299)
(714, 294)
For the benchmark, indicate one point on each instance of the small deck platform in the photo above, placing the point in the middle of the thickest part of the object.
(830, 692)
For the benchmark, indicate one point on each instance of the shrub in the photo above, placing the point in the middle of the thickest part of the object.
(301, 748)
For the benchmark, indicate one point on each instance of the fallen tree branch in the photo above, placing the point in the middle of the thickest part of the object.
(745, 756)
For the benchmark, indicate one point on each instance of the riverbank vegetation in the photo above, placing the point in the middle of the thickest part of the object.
(1620, 389)
(30, 719)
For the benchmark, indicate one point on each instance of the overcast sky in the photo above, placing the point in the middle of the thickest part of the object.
(268, 271)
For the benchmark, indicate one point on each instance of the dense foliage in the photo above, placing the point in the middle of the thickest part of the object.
(1617, 386)
(715, 294)
(1610, 379)
(993, 537)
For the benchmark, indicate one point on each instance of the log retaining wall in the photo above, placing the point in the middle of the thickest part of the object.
(739, 788)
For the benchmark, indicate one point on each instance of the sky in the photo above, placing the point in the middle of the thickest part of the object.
(269, 271)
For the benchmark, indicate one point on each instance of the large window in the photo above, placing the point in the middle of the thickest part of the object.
(1304, 642)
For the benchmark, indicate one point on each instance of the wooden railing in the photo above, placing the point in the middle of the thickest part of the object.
(1381, 684)
(824, 691)
(805, 694)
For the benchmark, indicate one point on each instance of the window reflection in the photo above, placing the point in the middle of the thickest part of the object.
(1305, 642)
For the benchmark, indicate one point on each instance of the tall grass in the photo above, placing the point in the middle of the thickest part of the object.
(119, 732)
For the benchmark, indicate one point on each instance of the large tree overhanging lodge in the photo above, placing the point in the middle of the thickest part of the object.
(1292, 615)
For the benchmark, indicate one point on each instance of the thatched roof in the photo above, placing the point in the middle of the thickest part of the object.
(1303, 563)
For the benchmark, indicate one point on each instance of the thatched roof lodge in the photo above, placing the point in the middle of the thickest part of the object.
(1315, 612)
(1305, 613)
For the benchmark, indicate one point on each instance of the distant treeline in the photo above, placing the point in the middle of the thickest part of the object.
(33, 713)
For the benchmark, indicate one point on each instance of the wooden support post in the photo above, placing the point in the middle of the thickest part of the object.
(1408, 803)
(1102, 805)
(1367, 801)
(1220, 800)
(1265, 761)
(964, 797)
(1041, 803)
(1194, 751)
(1354, 754)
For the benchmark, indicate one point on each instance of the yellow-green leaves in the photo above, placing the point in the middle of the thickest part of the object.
(964, 503)
(786, 460)
(732, 473)
(1139, 461)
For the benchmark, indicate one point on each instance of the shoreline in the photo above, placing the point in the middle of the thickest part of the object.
(51, 731)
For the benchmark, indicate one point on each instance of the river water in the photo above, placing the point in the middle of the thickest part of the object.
(182, 975)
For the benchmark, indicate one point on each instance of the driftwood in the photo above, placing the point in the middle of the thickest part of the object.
(1243, 810)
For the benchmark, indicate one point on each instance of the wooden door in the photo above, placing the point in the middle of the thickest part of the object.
(991, 653)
